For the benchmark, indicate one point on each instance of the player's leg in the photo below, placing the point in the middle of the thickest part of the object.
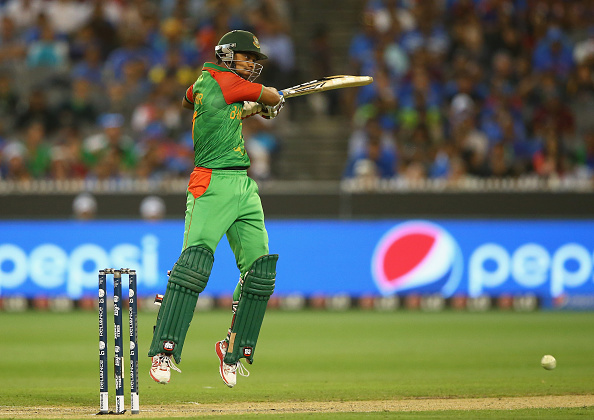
(187, 280)
(208, 216)
(249, 241)
(256, 288)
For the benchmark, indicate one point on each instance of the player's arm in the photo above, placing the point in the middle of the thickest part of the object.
(188, 100)
(187, 104)
(257, 98)
(270, 96)
(274, 102)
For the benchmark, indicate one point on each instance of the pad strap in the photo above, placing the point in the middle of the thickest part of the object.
(187, 280)
(258, 285)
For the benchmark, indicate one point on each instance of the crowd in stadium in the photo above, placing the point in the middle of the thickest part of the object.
(93, 89)
(487, 88)
(504, 88)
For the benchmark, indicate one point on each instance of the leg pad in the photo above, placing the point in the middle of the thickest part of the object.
(187, 280)
(257, 287)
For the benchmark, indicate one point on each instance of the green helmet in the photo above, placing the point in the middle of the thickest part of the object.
(241, 42)
(238, 41)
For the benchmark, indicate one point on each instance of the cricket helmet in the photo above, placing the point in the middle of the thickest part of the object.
(242, 42)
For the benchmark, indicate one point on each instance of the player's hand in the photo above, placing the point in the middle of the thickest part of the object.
(250, 108)
(270, 112)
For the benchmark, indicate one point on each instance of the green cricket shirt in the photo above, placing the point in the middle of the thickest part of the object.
(218, 96)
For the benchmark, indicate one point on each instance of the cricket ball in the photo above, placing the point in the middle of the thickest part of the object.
(548, 362)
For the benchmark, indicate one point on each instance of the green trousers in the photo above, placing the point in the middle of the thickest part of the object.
(220, 202)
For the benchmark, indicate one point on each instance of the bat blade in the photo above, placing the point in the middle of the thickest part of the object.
(327, 83)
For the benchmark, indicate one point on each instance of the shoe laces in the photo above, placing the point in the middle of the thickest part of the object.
(166, 359)
(238, 368)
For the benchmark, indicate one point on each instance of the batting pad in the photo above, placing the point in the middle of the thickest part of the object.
(258, 285)
(187, 280)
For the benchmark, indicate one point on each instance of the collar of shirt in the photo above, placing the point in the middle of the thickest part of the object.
(216, 67)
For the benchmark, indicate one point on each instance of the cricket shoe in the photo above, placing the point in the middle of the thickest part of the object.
(161, 368)
(229, 372)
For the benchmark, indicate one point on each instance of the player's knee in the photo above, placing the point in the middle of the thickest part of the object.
(193, 268)
(261, 277)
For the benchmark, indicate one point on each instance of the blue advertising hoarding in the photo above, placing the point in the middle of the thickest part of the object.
(549, 259)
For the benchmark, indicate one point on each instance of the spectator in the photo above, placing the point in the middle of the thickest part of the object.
(554, 53)
(102, 26)
(280, 66)
(132, 50)
(580, 90)
(363, 44)
(37, 109)
(429, 34)
(375, 157)
(172, 37)
(321, 53)
(84, 206)
(466, 86)
(508, 40)
(261, 146)
(23, 12)
(416, 147)
(48, 51)
(554, 112)
(180, 160)
(585, 156)
(13, 48)
(500, 161)
(116, 101)
(67, 16)
(419, 84)
(160, 107)
(38, 155)
(152, 208)
(472, 144)
(177, 8)
(90, 67)
(442, 162)
(134, 80)
(110, 154)
(78, 108)
(67, 155)
(154, 150)
(457, 172)
(551, 160)
(8, 95)
(384, 108)
(15, 165)
(583, 52)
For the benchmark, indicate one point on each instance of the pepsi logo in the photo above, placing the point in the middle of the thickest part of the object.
(417, 256)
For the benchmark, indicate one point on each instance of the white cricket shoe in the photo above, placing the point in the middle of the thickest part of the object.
(229, 372)
(161, 368)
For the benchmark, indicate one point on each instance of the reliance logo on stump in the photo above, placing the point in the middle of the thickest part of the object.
(419, 257)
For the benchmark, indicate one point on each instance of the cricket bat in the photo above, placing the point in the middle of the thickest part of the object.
(326, 83)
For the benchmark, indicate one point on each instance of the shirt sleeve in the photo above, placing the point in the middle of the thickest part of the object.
(236, 89)
(189, 97)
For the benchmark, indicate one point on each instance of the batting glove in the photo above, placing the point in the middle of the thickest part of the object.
(250, 108)
(270, 112)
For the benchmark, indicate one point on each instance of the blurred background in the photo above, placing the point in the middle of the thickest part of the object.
(463, 173)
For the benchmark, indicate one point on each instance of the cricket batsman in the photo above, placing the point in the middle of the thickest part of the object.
(221, 200)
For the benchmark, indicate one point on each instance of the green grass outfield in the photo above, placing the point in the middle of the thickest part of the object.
(50, 360)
